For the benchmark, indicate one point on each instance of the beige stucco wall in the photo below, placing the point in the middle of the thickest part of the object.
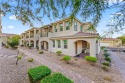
(71, 46)
(112, 43)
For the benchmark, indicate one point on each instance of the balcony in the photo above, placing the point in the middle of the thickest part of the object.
(31, 36)
(44, 34)
(27, 36)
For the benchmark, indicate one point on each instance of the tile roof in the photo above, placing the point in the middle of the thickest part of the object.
(79, 34)
(86, 34)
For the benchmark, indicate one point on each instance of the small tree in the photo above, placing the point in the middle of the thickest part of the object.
(14, 41)
(19, 57)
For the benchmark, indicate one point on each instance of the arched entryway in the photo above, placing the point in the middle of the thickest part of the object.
(27, 43)
(32, 43)
(44, 45)
(82, 48)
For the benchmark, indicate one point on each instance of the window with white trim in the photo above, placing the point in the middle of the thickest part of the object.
(75, 26)
(55, 28)
(67, 25)
(53, 43)
(59, 43)
(65, 42)
(61, 27)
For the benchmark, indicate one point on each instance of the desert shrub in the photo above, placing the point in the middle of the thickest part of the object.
(106, 54)
(37, 73)
(106, 63)
(105, 68)
(41, 52)
(19, 57)
(105, 50)
(30, 59)
(6, 46)
(67, 58)
(58, 53)
(91, 58)
(102, 47)
(56, 78)
(108, 59)
(107, 78)
(22, 45)
(30, 47)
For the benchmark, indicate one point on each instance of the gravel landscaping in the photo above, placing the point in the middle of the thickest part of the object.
(12, 73)
(82, 67)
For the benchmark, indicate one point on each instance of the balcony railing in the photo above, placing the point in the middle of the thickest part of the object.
(44, 34)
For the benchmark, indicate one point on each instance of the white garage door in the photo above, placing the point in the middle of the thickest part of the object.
(104, 44)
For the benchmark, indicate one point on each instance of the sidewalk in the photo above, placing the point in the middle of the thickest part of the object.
(119, 63)
(76, 77)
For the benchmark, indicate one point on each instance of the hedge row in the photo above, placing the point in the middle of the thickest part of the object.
(56, 78)
(37, 73)
(43, 73)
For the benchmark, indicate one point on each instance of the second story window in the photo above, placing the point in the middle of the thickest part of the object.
(81, 28)
(75, 26)
(59, 43)
(61, 27)
(55, 28)
(67, 26)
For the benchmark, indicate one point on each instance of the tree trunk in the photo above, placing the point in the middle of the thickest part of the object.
(0, 29)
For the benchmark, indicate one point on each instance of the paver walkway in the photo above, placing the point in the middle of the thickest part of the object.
(76, 77)
(119, 63)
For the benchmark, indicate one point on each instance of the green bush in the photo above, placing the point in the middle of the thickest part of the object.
(58, 53)
(105, 50)
(40, 52)
(56, 78)
(91, 58)
(102, 47)
(30, 47)
(106, 54)
(30, 59)
(108, 59)
(37, 73)
(66, 58)
(106, 63)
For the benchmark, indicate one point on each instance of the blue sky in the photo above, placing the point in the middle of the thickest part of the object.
(11, 25)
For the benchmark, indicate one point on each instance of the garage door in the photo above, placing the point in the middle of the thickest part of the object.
(104, 44)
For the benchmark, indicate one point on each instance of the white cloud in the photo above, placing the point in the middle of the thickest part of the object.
(10, 27)
(114, 1)
(13, 17)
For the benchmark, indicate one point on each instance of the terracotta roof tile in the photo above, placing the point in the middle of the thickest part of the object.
(80, 34)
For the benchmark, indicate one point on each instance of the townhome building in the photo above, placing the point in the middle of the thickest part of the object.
(70, 36)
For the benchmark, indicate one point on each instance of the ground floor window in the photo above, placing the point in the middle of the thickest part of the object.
(65, 44)
(53, 43)
(59, 44)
